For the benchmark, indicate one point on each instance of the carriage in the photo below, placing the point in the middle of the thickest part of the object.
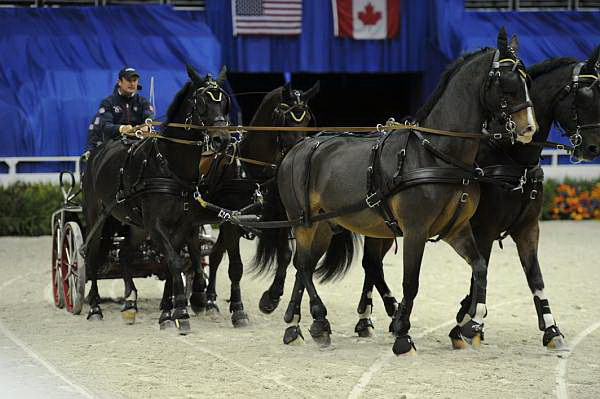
(68, 266)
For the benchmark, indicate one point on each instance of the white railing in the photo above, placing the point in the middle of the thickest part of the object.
(576, 171)
(14, 176)
(553, 171)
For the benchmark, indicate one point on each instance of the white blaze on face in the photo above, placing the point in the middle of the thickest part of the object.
(526, 138)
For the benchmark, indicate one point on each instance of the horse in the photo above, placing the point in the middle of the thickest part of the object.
(150, 185)
(416, 183)
(562, 92)
(261, 152)
(566, 92)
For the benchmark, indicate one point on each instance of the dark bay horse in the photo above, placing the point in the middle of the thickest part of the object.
(564, 91)
(150, 185)
(423, 182)
(283, 106)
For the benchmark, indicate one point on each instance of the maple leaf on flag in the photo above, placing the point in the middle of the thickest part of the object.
(368, 17)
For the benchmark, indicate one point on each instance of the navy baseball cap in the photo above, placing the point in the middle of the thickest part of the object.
(128, 73)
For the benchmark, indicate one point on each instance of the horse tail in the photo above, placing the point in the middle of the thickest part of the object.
(338, 258)
(270, 240)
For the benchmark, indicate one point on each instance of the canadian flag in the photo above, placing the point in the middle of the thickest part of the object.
(366, 19)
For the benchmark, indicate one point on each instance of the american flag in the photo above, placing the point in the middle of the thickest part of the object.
(266, 17)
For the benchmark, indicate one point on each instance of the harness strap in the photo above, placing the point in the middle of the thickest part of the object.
(461, 204)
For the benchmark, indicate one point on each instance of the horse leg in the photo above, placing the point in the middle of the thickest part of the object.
(170, 242)
(485, 241)
(527, 239)
(293, 333)
(216, 255)
(311, 244)
(96, 255)
(239, 318)
(473, 307)
(270, 298)
(372, 263)
(166, 304)
(412, 253)
(129, 308)
(198, 297)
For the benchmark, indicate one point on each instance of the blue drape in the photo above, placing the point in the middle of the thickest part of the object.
(58, 64)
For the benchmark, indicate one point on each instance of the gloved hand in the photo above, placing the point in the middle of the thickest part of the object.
(125, 129)
(86, 155)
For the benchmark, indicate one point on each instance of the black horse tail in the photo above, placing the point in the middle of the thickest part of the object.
(338, 258)
(270, 240)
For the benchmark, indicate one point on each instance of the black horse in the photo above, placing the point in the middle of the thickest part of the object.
(562, 92)
(406, 180)
(150, 185)
(566, 92)
(281, 107)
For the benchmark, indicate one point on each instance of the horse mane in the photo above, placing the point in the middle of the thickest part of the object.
(176, 103)
(449, 72)
(270, 101)
(544, 67)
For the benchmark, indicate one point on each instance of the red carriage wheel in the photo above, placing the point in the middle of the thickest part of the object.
(72, 268)
(57, 287)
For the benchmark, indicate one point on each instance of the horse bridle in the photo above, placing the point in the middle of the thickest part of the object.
(572, 87)
(198, 109)
(506, 111)
(284, 110)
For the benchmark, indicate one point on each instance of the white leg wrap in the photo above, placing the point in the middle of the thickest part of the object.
(465, 320)
(548, 318)
(480, 312)
(295, 321)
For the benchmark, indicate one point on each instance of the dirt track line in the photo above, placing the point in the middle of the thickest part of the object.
(247, 369)
(8, 334)
(561, 368)
(365, 379)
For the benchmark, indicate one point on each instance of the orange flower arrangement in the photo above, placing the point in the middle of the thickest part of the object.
(571, 203)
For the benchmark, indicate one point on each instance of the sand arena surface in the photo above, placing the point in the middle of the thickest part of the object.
(46, 352)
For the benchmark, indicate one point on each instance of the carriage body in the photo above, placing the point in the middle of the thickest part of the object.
(68, 262)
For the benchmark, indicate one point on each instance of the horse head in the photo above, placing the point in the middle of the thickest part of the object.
(209, 105)
(579, 115)
(293, 111)
(505, 94)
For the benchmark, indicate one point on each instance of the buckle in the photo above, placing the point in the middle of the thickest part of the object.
(533, 194)
(480, 172)
(465, 182)
(464, 197)
(368, 200)
(497, 136)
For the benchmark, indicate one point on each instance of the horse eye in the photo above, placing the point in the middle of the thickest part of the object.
(510, 83)
(584, 96)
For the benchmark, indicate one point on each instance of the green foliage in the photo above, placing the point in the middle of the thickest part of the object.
(26, 208)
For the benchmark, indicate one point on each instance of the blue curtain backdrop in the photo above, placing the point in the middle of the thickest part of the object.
(58, 64)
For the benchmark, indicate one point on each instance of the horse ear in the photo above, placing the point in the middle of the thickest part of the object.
(514, 43)
(502, 40)
(286, 92)
(310, 93)
(193, 75)
(593, 63)
(222, 75)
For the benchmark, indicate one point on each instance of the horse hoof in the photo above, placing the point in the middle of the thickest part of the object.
(183, 326)
(456, 339)
(364, 328)
(95, 314)
(128, 316)
(320, 331)
(472, 333)
(293, 336)
(166, 324)
(267, 304)
(198, 302)
(553, 339)
(404, 345)
(239, 318)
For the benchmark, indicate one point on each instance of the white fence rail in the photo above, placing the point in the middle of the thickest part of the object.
(554, 170)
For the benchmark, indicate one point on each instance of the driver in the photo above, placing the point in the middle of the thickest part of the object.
(119, 112)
